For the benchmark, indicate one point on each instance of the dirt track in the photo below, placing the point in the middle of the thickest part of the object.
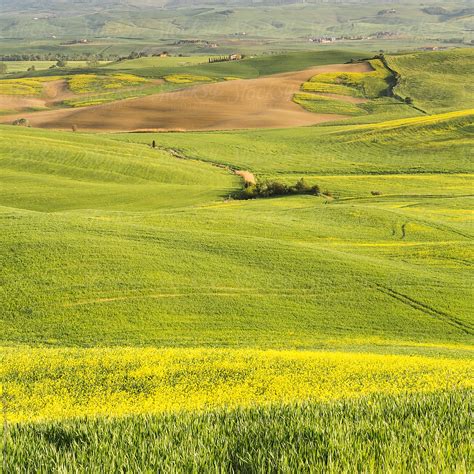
(56, 91)
(255, 103)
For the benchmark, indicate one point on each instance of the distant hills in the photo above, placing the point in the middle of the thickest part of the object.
(141, 19)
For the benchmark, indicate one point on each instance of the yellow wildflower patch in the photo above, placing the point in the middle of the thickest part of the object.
(359, 84)
(86, 83)
(50, 383)
(25, 86)
(185, 78)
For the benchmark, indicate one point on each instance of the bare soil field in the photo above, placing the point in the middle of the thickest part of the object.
(56, 91)
(254, 103)
(12, 102)
(53, 93)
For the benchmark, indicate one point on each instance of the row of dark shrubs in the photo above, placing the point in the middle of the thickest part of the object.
(265, 189)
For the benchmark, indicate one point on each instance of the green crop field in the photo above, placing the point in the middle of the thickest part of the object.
(249, 67)
(296, 438)
(152, 322)
(23, 66)
(436, 82)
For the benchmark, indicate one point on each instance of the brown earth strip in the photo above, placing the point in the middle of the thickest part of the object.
(53, 93)
(13, 102)
(56, 91)
(247, 176)
(265, 102)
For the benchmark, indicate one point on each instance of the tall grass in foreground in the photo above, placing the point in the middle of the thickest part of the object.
(406, 433)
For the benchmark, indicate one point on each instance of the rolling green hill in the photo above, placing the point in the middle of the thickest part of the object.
(152, 321)
(247, 68)
(271, 19)
(438, 81)
(90, 174)
(401, 146)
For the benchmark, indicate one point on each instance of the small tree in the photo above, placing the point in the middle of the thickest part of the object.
(3, 68)
(61, 62)
(153, 144)
(21, 122)
(93, 62)
(32, 68)
(408, 100)
(301, 186)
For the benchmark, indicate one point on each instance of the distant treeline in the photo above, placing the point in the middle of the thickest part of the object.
(57, 57)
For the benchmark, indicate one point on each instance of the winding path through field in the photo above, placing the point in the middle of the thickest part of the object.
(265, 102)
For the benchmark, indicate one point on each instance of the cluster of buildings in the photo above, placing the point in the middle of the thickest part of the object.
(204, 43)
(333, 39)
(76, 41)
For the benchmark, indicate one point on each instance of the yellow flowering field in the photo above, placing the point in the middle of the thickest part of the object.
(359, 84)
(84, 83)
(424, 121)
(25, 86)
(56, 383)
(185, 78)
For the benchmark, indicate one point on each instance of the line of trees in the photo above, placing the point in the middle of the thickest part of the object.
(55, 57)
(60, 63)
(219, 59)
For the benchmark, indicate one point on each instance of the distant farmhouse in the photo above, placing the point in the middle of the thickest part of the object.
(230, 57)
(76, 41)
(322, 40)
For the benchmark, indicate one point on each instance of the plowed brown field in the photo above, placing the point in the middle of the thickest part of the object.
(265, 102)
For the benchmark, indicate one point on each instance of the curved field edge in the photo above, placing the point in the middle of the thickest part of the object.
(374, 433)
(48, 384)
(404, 144)
(435, 82)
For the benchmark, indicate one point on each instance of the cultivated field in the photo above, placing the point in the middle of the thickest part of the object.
(254, 103)
(153, 321)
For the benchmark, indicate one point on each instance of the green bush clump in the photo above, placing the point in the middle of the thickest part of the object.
(266, 189)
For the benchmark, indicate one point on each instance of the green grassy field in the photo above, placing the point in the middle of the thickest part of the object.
(367, 435)
(437, 82)
(247, 68)
(272, 21)
(324, 105)
(23, 66)
(402, 146)
(151, 322)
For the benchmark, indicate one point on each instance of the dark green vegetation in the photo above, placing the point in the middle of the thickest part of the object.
(409, 433)
(265, 189)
